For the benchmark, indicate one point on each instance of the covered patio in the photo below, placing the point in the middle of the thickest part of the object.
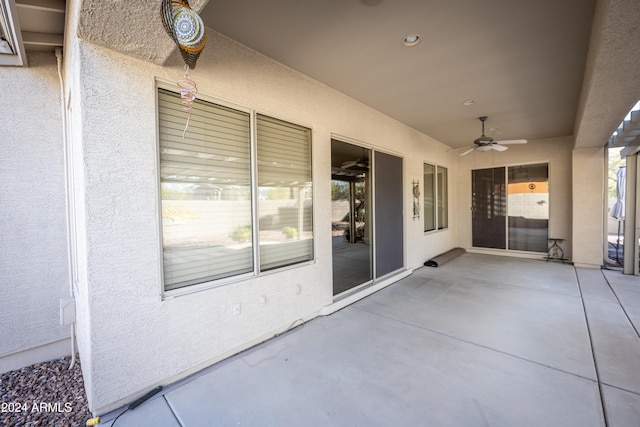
(482, 340)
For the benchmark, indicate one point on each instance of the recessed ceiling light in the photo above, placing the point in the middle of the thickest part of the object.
(371, 3)
(469, 102)
(411, 40)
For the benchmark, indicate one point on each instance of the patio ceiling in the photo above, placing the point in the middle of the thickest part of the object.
(533, 67)
(521, 62)
(537, 69)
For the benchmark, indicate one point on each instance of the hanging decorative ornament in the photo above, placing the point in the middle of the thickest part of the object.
(188, 91)
(186, 29)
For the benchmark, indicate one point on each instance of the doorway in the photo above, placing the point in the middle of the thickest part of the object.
(510, 208)
(366, 188)
(351, 227)
(389, 220)
(488, 208)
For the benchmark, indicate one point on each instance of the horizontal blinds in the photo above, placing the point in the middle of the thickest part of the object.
(429, 195)
(284, 153)
(216, 144)
(205, 180)
(284, 181)
(280, 255)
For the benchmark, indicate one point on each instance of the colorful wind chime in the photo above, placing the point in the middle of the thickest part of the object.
(186, 29)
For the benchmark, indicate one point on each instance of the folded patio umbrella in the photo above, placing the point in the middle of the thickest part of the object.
(444, 257)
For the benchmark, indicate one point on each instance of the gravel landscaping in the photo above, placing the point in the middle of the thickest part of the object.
(45, 394)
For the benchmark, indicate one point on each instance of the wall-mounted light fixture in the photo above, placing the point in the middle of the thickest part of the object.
(11, 46)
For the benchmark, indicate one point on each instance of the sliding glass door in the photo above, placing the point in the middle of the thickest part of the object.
(528, 206)
(510, 208)
(366, 188)
(388, 214)
(351, 226)
(489, 208)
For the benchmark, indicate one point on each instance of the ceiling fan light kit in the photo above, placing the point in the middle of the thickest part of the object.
(486, 143)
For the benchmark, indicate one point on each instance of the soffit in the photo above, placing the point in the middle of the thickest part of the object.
(42, 23)
(612, 81)
(30, 25)
(522, 62)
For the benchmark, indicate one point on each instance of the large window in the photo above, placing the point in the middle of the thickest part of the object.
(210, 202)
(436, 211)
(284, 185)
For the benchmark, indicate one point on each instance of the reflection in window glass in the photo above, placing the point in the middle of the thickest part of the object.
(352, 247)
(528, 207)
(208, 226)
(205, 181)
(429, 197)
(435, 198)
(443, 211)
(284, 192)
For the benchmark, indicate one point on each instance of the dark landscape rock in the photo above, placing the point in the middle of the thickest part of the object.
(45, 394)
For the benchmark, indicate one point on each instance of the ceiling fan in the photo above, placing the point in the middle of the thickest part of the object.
(486, 143)
(361, 163)
(352, 169)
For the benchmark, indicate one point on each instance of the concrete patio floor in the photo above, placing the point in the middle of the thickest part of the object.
(480, 341)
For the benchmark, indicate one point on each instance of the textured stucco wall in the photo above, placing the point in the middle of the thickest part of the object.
(612, 76)
(120, 26)
(34, 271)
(556, 152)
(588, 207)
(130, 338)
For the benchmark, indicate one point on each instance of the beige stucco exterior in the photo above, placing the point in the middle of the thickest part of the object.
(131, 336)
(34, 267)
(588, 199)
(135, 332)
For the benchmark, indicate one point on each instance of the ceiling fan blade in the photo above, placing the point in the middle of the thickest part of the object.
(512, 141)
(498, 147)
(467, 152)
(349, 164)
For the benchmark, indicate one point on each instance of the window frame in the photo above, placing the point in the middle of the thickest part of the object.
(255, 240)
(433, 209)
(442, 203)
(436, 198)
(261, 269)
(506, 167)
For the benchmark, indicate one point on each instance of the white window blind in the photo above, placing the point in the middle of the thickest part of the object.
(205, 182)
(285, 193)
(429, 197)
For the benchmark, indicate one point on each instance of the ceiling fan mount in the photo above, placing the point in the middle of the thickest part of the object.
(486, 143)
(483, 139)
